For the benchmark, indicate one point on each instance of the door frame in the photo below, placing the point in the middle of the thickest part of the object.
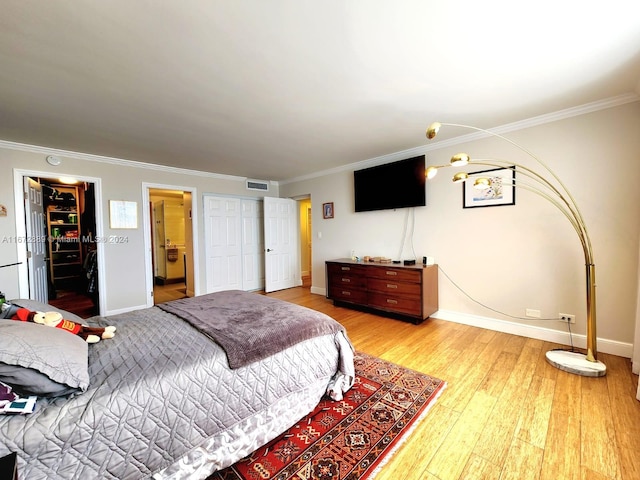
(21, 229)
(148, 244)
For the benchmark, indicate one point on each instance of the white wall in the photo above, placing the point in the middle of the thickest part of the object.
(514, 257)
(124, 269)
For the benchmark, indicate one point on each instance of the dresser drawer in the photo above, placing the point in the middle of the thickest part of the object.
(346, 271)
(348, 295)
(397, 274)
(392, 287)
(404, 305)
(338, 268)
(347, 281)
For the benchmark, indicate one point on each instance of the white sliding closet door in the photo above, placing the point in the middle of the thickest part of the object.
(233, 244)
(252, 245)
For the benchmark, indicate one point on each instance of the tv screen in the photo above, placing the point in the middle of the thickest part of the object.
(393, 185)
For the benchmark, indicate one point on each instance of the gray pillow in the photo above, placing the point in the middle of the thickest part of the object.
(43, 361)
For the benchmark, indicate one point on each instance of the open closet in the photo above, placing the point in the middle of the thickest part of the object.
(72, 273)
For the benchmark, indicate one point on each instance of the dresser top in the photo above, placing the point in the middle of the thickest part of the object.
(378, 264)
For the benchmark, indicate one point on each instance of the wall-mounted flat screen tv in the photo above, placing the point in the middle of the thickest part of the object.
(392, 185)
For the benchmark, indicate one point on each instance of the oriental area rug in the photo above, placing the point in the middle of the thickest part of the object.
(348, 439)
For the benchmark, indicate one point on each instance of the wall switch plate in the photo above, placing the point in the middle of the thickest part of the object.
(530, 312)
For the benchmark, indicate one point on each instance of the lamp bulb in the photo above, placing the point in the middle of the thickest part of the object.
(481, 183)
(460, 177)
(460, 160)
(433, 129)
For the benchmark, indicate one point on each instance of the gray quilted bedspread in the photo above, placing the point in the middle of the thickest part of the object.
(249, 326)
(163, 404)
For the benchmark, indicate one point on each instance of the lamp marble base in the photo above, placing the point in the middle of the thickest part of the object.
(577, 363)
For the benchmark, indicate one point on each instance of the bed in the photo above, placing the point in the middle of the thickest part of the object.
(160, 399)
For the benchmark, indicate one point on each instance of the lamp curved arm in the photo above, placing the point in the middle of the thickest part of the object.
(433, 130)
(560, 206)
(567, 208)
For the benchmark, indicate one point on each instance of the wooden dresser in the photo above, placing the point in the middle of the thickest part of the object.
(409, 292)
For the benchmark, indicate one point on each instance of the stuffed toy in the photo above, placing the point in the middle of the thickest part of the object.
(54, 319)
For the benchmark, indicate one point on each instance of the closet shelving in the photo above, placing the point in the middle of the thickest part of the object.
(63, 229)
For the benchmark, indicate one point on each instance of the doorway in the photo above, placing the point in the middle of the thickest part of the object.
(306, 263)
(171, 243)
(62, 267)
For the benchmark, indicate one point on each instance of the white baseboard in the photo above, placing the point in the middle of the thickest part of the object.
(612, 347)
(319, 291)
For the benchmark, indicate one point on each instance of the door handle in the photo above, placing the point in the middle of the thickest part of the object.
(269, 250)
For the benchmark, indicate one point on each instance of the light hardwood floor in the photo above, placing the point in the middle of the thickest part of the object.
(168, 292)
(506, 413)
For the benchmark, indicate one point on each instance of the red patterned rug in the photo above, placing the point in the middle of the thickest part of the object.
(346, 439)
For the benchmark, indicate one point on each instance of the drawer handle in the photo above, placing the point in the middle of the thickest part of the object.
(346, 268)
(389, 272)
(391, 300)
(392, 285)
(345, 293)
(346, 280)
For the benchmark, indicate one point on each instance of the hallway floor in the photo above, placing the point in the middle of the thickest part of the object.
(168, 292)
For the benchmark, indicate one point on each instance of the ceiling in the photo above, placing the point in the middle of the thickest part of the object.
(280, 89)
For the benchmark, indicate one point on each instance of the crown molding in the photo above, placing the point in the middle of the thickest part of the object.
(509, 127)
(115, 161)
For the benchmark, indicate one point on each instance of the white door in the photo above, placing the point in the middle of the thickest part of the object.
(252, 245)
(223, 247)
(281, 244)
(36, 241)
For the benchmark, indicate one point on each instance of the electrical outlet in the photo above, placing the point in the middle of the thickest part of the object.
(567, 318)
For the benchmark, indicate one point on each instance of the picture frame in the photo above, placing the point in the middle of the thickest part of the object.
(123, 214)
(502, 191)
(327, 210)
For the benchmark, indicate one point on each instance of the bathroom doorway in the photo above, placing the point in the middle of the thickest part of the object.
(171, 244)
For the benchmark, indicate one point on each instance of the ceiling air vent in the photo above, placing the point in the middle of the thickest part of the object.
(257, 185)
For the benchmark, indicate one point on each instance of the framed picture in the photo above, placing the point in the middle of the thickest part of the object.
(501, 191)
(327, 210)
(123, 214)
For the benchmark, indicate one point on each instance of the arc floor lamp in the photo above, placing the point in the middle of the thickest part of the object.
(552, 189)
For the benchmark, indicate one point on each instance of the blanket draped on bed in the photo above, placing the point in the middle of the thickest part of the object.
(249, 326)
